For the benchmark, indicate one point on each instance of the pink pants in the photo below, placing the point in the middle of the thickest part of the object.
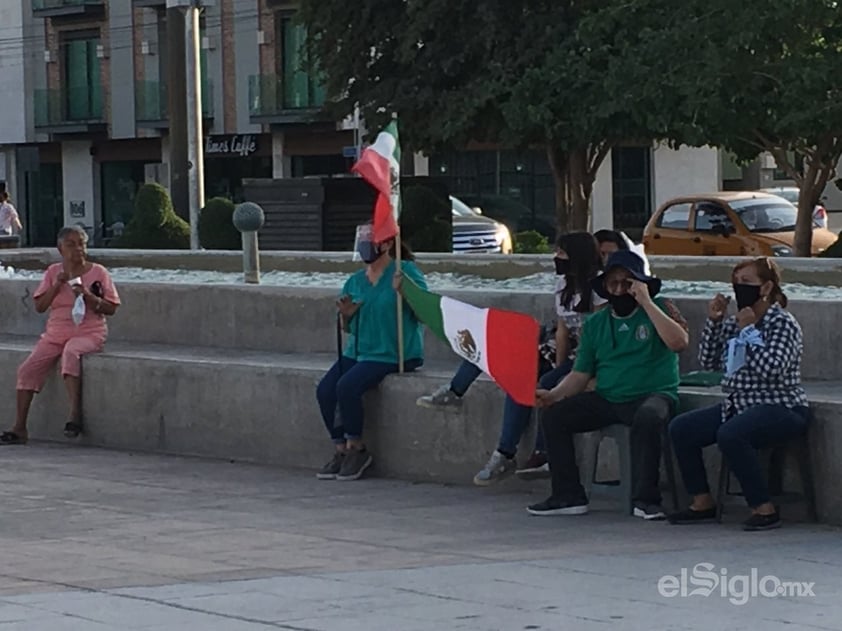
(33, 372)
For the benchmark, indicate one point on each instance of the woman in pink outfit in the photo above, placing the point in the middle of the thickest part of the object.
(64, 339)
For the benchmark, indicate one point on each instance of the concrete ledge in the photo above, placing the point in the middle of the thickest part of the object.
(302, 320)
(261, 407)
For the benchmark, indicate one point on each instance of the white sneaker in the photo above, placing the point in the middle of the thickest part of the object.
(649, 512)
(443, 397)
(497, 468)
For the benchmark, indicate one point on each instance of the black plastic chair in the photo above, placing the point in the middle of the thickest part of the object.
(776, 457)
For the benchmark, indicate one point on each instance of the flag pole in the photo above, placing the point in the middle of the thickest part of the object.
(398, 268)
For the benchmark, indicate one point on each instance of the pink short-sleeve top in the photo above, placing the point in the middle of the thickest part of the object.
(97, 280)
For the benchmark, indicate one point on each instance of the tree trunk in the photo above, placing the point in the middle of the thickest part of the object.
(573, 175)
(803, 241)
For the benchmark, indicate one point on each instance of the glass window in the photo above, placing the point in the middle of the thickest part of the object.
(631, 172)
(300, 88)
(676, 217)
(766, 215)
(82, 79)
(709, 215)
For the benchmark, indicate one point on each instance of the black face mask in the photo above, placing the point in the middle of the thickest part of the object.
(562, 266)
(368, 252)
(746, 295)
(622, 305)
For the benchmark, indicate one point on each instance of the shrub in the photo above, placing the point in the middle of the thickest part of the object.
(531, 242)
(426, 222)
(155, 225)
(216, 226)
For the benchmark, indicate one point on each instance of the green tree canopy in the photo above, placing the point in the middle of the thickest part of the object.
(760, 77)
(518, 72)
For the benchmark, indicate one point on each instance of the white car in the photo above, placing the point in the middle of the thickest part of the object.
(791, 194)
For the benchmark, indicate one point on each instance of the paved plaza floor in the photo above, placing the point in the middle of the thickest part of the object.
(97, 540)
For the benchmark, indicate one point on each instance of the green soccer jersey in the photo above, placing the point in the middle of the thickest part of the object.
(627, 356)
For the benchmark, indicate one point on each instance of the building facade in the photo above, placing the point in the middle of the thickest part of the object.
(85, 119)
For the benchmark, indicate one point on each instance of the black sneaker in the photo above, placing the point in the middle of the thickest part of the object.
(329, 471)
(556, 506)
(649, 512)
(762, 522)
(690, 516)
(354, 465)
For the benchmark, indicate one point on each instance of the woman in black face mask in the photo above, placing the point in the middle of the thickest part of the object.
(760, 351)
(576, 263)
(368, 308)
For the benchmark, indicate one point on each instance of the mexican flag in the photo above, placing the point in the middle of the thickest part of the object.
(504, 344)
(380, 166)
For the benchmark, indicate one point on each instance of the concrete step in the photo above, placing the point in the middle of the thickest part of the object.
(260, 407)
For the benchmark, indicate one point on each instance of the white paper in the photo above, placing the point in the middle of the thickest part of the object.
(78, 313)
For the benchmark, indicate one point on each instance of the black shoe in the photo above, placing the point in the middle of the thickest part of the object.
(762, 522)
(557, 506)
(354, 465)
(649, 512)
(329, 471)
(73, 429)
(690, 516)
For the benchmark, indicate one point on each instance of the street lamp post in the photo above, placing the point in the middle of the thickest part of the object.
(195, 135)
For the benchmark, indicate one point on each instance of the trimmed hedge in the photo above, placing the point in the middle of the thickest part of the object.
(155, 226)
(216, 226)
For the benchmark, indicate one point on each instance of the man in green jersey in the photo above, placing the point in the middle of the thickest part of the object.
(631, 351)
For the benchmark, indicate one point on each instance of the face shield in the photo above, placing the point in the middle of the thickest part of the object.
(365, 249)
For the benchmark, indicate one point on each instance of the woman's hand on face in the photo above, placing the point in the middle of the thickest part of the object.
(717, 307)
(347, 307)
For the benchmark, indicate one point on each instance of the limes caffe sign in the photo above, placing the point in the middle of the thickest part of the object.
(231, 145)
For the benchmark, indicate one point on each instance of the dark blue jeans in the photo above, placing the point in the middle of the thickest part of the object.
(344, 386)
(516, 417)
(738, 439)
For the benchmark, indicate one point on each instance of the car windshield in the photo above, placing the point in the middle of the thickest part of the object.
(461, 209)
(766, 215)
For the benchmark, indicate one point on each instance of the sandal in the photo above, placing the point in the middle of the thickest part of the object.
(72, 429)
(11, 438)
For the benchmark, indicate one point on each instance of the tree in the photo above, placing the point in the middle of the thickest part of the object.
(766, 79)
(544, 73)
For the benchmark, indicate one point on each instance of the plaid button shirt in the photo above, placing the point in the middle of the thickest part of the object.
(771, 374)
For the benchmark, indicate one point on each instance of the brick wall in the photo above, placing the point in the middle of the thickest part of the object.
(268, 52)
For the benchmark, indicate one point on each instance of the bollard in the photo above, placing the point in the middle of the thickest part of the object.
(248, 219)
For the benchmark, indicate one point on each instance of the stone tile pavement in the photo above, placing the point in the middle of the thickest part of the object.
(98, 540)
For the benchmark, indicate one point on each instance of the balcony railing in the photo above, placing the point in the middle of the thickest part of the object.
(68, 106)
(55, 8)
(270, 97)
(152, 101)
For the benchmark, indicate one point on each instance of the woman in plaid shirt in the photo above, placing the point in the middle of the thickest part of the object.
(760, 351)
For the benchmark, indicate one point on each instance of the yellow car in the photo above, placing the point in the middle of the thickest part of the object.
(727, 224)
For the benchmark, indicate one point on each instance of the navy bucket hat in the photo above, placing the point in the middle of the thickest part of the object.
(633, 264)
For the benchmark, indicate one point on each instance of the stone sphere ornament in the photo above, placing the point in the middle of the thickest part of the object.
(248, 217)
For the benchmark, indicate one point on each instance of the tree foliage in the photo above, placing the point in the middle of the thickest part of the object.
(764, 78)
(539, 73)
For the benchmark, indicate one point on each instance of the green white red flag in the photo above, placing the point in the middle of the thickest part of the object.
(503, 344)
(379, 165)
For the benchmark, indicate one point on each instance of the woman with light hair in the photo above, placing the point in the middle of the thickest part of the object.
(78, 294)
